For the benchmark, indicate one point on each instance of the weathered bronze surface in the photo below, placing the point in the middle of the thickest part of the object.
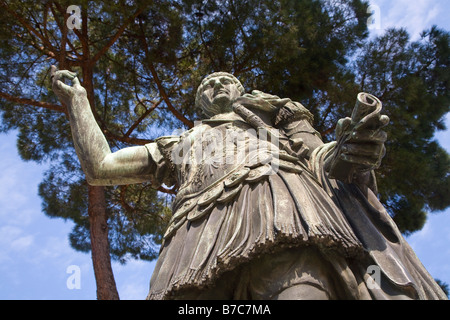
(265, 209)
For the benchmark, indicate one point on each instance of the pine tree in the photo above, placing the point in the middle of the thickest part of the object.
(412, 80)
(39, 36)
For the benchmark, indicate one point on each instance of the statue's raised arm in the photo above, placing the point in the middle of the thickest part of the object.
(101, 166)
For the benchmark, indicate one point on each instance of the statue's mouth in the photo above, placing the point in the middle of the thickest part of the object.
(220, 92)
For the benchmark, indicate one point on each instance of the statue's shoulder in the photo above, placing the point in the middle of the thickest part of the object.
(292, 111)
(166, 141)
(179, 135)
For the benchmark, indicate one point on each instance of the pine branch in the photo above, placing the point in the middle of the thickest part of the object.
(161, 89)
(116, 36)
(129, 140)
(30, 29)
(62, 28)
(32, 102)
(142, 117)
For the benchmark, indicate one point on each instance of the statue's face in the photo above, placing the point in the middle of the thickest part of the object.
(220, 91)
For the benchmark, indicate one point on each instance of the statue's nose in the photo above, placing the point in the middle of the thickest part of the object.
(218, 85)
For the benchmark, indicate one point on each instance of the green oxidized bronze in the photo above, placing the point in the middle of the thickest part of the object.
(265, 209)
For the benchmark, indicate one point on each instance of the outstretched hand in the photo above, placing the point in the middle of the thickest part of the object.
(64, 92)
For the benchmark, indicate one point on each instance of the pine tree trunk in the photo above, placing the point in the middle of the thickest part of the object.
(98, 217)
(101, 259)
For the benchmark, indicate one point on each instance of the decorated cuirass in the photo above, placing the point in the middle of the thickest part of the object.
(214, 159)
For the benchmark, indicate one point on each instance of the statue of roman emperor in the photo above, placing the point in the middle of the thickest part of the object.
(265, 209)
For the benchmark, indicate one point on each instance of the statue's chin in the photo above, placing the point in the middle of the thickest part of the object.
(222, 100)
(222, 105)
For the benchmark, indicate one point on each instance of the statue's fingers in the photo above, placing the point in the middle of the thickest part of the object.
(60, 74)
(76, 81)
(372, 123)
(53, 70)
(342, 125)
(365, 163)
(263, 95)
(68, 74)
(278, 102)
(57, 75)
(246, 99)
(62, 87)
(249, 101)
(370, 150)
(374, 136)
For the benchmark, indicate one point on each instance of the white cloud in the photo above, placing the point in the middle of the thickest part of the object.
(13, 238)
(53, 248)
(415, 16)
(18, 187)
(14, 241)
(9, 232)
(6, 234)
(22, 243)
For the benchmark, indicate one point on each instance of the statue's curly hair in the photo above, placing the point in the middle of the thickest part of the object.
(209, 111)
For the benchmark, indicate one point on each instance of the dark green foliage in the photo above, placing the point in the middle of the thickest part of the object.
(412, 80)
(288, 48)
(120, 84)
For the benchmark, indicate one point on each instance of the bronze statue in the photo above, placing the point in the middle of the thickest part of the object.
(265, 209)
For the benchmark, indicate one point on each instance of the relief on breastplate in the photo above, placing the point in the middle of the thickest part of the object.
(215, 164)
(209, 153)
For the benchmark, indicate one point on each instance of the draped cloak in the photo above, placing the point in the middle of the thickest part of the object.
(241, 196)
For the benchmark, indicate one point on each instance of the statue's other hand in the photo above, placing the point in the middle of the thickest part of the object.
(365, 145)
(65, 92)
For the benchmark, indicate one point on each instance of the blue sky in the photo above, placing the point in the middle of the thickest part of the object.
(34, 250)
